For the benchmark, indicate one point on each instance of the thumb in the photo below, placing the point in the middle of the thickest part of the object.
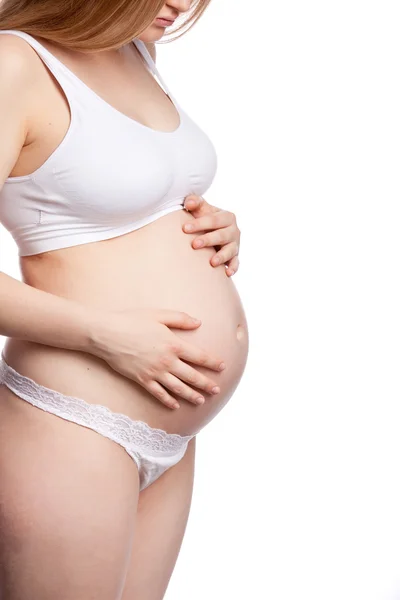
(192, 201)
(198, 206)
(177, 319)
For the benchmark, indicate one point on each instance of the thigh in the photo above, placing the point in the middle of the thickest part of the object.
(67, 507)
(162, 515)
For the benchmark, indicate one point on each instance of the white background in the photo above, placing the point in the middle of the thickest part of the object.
(297, 489)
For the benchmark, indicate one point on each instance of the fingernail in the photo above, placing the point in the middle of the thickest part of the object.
(199, 400)
(215, 390)
(222, 366)
(189, 227)
(198, 243)
(176, 405)
(216, 261)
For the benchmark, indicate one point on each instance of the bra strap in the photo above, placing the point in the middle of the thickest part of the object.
(141, 46)
(57, 68)
(51, 61)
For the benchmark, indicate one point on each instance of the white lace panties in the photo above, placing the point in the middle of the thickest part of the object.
(153, 450)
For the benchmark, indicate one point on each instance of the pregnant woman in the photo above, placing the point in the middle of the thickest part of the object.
(106, 375)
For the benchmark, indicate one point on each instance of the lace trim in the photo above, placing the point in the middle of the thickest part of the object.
(117, 426)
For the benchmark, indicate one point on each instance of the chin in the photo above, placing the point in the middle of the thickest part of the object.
(152, 34)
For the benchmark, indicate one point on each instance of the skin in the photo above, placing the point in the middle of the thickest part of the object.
(73, 524)
(222, 231)
(222, 227)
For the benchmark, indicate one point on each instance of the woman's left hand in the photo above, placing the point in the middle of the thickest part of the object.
(223, 232)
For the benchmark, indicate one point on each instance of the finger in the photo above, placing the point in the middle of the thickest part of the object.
(198, 206)
(225, 254)
(193, 201)
(177, 319)
(187, 373)
(233, 266)
(199, 357)
(209, 222)
(156, 390)
(181, 389)
(220, 237)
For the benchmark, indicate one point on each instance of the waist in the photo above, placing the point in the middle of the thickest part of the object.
(153, 264)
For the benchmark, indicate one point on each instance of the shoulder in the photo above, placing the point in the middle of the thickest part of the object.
(18, 61)
(17, 77)
(21, 89)
(151, 47)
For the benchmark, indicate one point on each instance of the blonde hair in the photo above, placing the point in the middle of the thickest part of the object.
(89, 25)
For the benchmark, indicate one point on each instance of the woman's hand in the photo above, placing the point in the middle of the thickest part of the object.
(224, 233)
(139, 344)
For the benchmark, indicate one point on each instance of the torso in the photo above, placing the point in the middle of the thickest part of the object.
(112, 274)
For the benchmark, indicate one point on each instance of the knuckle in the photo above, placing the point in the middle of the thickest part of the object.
(175, 347)
(141, 378)
(203, 358)
(147, 376)
(165, 361)
(156, 391)
(192, 379)
(160, 394)
(150, 372)
(222, 256)
(178, 389)
(223, 237)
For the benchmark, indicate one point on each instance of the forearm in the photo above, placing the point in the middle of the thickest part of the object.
(28, 313)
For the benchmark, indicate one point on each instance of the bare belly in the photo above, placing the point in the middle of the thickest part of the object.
(152, 267)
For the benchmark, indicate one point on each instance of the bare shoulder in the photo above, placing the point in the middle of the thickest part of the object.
(151, 47)
(18, 62)
(19, 88)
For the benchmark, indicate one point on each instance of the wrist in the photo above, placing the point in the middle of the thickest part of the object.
(95, 342)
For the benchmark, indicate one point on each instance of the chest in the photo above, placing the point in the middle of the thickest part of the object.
(116, 167)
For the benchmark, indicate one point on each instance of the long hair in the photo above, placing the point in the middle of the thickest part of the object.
(89, 25)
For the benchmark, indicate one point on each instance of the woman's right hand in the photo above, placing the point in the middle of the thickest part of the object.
(139, 344)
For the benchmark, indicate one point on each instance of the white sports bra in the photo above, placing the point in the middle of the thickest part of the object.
(108, 176)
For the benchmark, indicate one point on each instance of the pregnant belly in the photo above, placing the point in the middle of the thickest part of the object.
(152, 267)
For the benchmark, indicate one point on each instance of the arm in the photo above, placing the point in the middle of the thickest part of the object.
(30, 314)
(26, 312)
(138, 343)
